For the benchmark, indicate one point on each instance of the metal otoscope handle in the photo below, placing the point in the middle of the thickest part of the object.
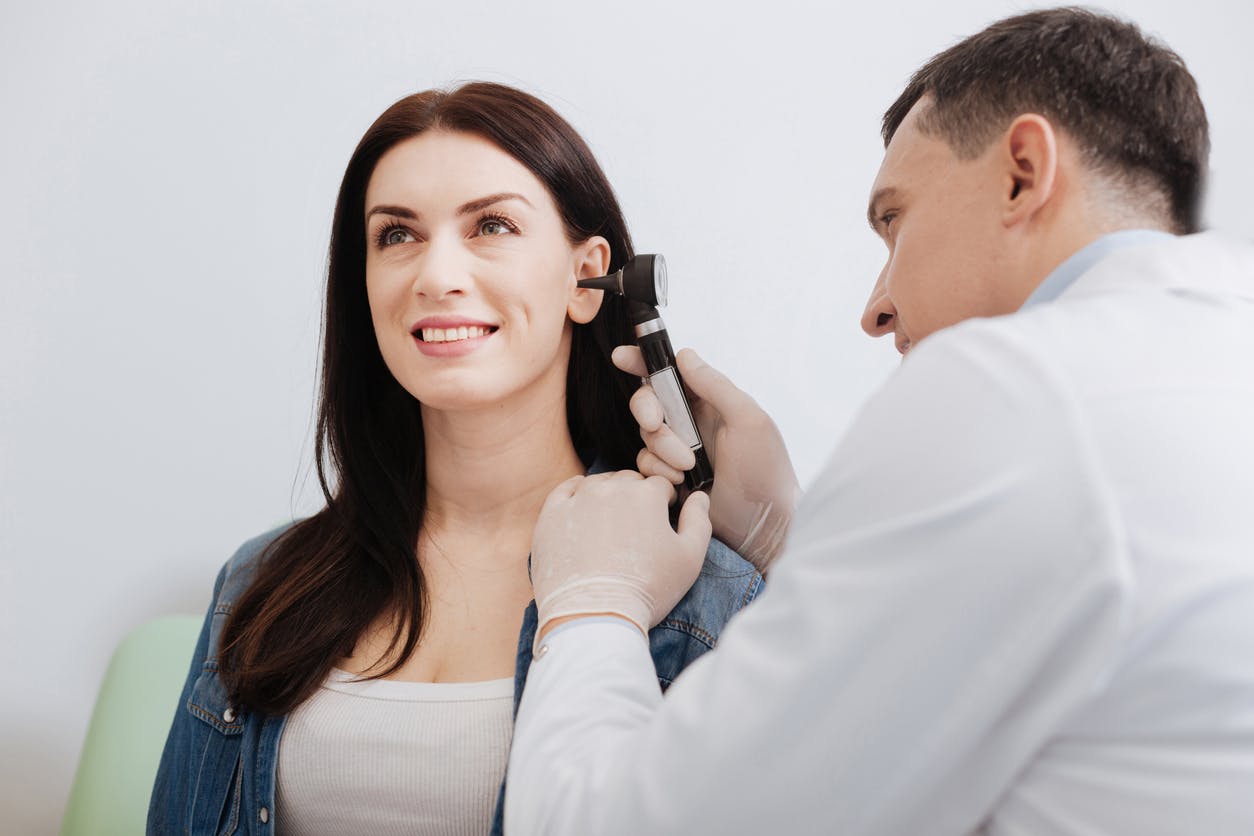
(659, 360)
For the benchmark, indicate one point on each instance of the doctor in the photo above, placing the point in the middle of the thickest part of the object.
(1020, 597)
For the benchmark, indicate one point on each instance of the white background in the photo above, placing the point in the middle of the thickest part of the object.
(167, 175)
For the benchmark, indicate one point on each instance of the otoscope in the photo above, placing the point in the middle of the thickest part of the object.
(642, 283)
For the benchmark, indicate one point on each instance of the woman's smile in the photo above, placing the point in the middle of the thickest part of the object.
(446, 336)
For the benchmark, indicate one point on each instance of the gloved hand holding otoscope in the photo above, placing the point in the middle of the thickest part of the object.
(642, 282)
(616, 589)
(750, 508)
(752, 505)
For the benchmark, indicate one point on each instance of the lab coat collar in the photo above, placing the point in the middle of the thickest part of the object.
(1065, 274)
(1205, 262)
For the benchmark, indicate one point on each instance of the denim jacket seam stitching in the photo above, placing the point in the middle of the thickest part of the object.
(691, 629)
(233, 823)
(209, 717)
(264, 784)
(751, 590)
(200, 773)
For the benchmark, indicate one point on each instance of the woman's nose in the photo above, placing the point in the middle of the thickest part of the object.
(877, 319)
(440, 271)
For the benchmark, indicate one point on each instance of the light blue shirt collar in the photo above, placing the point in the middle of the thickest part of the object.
(1065, 274)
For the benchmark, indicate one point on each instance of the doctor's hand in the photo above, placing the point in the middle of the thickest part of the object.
(755, 487)
(603, 545)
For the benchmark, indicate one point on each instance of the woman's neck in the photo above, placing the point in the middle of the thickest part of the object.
(491, 470)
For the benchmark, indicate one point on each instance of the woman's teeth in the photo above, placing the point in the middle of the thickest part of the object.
(448, 335)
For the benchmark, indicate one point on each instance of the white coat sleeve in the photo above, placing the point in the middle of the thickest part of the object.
(954, 584)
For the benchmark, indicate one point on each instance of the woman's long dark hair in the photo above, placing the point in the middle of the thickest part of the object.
(329, 577)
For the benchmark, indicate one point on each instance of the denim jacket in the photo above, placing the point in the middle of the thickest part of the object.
(217, 773)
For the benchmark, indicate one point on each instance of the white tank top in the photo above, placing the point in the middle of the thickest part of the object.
(385, 757)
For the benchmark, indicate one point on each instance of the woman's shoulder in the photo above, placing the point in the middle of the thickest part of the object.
(726, 585)
(719, 555)
(238, 571)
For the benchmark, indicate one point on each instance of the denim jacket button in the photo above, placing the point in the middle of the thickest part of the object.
(229, 716)
(264, 814)
(542, 651)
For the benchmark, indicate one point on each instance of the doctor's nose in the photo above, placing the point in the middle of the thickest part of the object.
(878, 318)
(439, 273)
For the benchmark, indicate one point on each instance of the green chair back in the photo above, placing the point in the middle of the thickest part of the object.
(128, 729)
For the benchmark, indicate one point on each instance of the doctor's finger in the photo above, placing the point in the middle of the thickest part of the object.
(669, 448)
(646, 409)
(563, 491)
(650, 465)
(661, 487)
(629, 359)
(694, 523)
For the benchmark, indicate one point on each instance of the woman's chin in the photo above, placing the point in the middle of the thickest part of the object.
(462, 396)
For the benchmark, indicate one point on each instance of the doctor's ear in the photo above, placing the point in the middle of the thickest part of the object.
(592, 259)
(1030, 163)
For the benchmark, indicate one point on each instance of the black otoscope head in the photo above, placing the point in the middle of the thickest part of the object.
(641, 279)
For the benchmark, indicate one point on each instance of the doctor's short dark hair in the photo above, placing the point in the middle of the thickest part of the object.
(1128, 101)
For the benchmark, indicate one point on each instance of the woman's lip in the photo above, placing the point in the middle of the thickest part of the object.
(453, 348)
(447, 322)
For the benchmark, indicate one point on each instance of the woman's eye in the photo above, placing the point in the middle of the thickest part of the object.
(395, 235)
(494, 226)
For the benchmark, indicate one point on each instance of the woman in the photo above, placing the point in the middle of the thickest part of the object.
(358, 670)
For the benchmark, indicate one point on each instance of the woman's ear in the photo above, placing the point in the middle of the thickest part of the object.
(592, 259)
(1030, 159)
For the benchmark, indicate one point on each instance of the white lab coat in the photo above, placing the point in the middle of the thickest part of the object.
(1018, 600)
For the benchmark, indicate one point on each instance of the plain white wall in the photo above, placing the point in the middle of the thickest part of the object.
(166, 184)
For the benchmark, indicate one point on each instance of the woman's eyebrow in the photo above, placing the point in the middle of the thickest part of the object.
(465, 209)
(398, 211)
(485, 202)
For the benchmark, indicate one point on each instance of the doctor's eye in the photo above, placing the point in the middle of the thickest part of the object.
(887, 219)
(494, 224)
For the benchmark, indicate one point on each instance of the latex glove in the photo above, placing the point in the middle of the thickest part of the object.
(604, 545)
(755, 487)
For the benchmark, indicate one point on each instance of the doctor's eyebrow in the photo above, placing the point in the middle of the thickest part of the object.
(873, 208)
(465, 209)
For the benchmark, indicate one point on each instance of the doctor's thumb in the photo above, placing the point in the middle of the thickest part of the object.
(712, 386)
(694, 521)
